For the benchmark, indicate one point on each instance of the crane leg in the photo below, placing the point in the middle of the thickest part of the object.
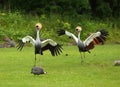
(81, 58)
(84, 54)
(39, 59)
(35, 60)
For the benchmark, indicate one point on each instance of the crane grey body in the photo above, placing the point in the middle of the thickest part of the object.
(37, 43)
(80, 44)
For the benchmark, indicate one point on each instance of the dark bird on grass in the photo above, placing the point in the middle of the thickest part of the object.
(85, 46)
(40, 46)
(36, 70)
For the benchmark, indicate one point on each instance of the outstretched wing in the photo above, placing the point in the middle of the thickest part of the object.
(62, 32)
(55, 48)
(25, 40)
(96, 38)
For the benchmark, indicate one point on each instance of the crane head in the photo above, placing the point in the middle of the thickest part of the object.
(78, 29)
(38, 26)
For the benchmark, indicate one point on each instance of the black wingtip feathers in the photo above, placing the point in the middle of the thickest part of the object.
(104, 33)
(20, 45)
(61, 32)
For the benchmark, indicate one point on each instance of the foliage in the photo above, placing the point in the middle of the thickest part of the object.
(14, 25)
(19, 18)
(67, 71)
(17, 25)
(98, 8)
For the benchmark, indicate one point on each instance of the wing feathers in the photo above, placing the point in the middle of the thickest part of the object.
(62, 32)
(52, 46)
(55, 50)
(20, 45)
(49, 44)
(102, 38)
(90, 46)
(25, 40)
(96, 39)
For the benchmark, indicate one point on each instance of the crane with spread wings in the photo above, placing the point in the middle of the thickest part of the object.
(89, 43)
(41, 45)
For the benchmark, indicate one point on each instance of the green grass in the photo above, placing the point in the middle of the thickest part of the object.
(62, 71)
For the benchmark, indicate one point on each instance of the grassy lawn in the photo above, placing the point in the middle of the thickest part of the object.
(62, 71)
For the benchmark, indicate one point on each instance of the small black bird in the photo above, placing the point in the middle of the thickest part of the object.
(36, 70)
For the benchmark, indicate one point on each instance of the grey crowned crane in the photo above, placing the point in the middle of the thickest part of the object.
(85, 46)
(40, 46)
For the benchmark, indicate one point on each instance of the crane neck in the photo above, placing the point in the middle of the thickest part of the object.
(37, 35)
(79, 40)
(79, 36)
